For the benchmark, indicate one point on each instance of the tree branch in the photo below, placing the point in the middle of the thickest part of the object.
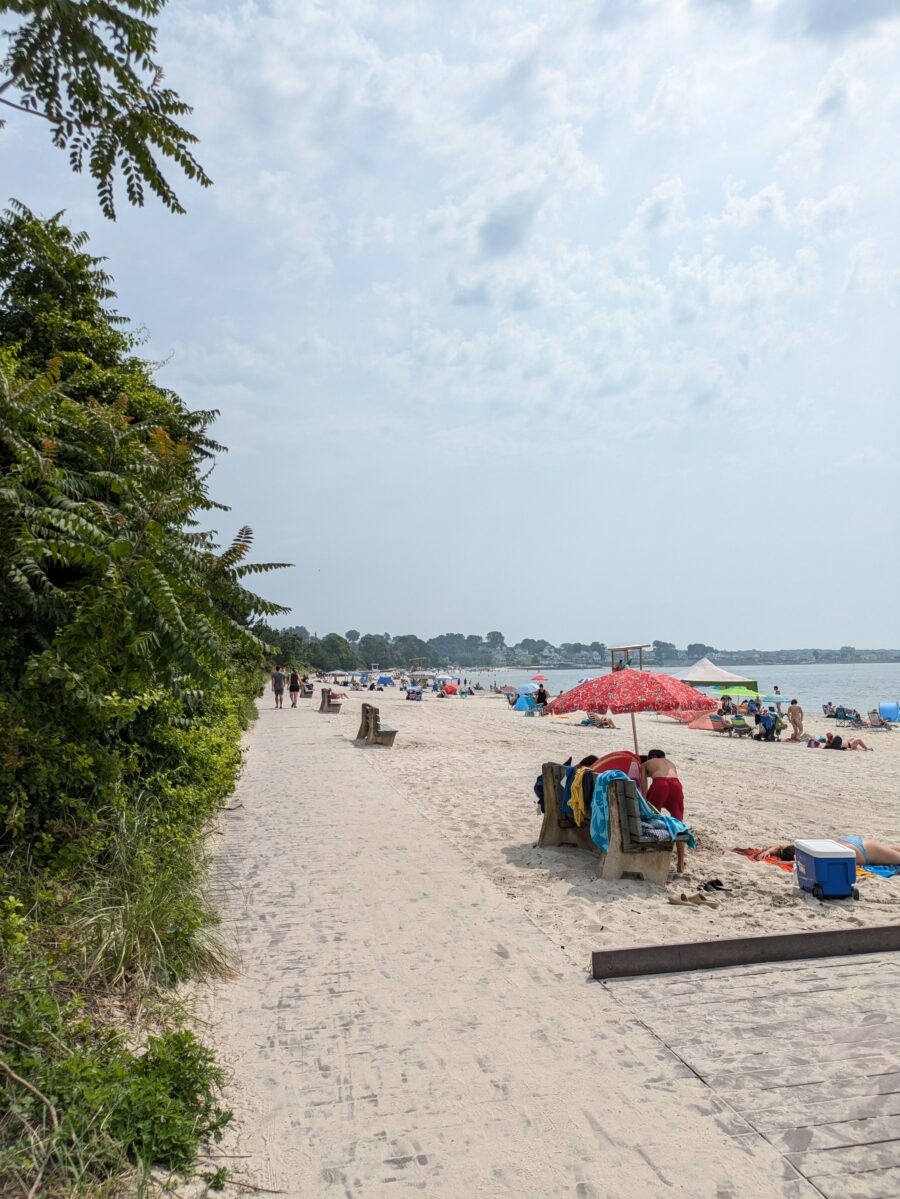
(54, 1119)
(31, 112)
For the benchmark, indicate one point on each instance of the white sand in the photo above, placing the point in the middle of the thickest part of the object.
(470, 765)
(399, 1025)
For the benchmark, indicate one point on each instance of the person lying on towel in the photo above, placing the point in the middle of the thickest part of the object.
(869, 852)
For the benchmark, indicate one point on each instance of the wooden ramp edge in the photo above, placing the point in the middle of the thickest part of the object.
(742, 951)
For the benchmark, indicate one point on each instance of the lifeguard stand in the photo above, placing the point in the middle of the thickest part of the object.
(625, 655)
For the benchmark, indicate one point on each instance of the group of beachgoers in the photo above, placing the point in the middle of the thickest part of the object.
(663, 789)
(770, 723)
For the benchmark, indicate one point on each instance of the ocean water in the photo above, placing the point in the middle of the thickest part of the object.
(857, 685)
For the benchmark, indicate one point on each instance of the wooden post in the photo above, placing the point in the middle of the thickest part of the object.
(634, 731)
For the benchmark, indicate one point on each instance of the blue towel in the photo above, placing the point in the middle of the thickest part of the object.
(881, 871)
(600, 813)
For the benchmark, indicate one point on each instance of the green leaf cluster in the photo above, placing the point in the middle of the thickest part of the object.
(88, 68)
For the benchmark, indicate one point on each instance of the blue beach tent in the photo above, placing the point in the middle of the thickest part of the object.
(524, 704)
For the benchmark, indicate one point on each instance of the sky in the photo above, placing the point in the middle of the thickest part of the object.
(574, 321)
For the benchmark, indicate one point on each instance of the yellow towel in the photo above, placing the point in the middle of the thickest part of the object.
(576, 796)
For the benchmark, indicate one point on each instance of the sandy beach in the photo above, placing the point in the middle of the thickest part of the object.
(412, 1010)
(470, 765)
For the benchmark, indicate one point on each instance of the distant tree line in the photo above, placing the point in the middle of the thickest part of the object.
(355, 651)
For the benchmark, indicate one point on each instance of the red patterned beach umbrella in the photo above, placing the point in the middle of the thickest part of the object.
(632, 691)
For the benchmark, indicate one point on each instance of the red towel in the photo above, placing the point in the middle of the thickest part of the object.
(753, 855)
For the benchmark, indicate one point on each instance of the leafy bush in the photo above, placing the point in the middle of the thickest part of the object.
(130, 651)
(81, 1106)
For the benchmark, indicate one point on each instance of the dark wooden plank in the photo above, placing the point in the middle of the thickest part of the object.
(804, 1110)
(718, 991)
(746, 1087)
(855, 1159)
(801, 1023)
(874, 1184)
(736, 951)
(837, 1135)
(733, 979)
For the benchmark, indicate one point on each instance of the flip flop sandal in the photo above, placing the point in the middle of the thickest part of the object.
(682, 901)
(699, 900)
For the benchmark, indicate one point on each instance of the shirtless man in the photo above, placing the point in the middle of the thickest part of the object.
(665, 791)
(795, 716)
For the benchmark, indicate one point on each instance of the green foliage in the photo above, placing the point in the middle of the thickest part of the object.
(698, 649)
(664, 651)
(80, 1105)
(333, 652)
(87, 67)
(130, 651)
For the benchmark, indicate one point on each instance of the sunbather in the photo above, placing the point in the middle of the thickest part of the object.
(869, 852)
(600, 722)
(837, 742)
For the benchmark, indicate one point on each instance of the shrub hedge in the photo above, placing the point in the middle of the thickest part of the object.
(129, 657)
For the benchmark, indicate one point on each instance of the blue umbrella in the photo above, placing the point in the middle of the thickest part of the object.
(526, 688)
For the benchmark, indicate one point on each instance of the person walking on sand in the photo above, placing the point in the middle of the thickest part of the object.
(662, 787)
(294, 688)
(278, 681)
(777, 691)
(795, 716)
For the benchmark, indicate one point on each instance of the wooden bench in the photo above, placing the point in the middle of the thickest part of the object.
(630, 854)
(364, 718)
(327, 704)
(372, 731)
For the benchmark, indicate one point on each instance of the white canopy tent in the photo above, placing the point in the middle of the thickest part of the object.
(706, 674)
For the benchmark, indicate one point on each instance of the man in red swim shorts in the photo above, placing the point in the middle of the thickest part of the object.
(662, 787)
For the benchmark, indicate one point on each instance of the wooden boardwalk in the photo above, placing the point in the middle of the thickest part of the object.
(806, 1055)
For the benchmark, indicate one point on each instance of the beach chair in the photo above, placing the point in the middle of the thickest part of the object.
(721, 726)
(851, 720)
(378, 733)
(327, 704)
(740, 726)
(877, 723)
(630, 854)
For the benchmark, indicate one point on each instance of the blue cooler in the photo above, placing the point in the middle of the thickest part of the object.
(826, 868)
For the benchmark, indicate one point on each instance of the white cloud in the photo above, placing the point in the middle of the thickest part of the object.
(513, 229)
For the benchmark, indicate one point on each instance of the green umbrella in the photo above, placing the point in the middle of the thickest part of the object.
(737, 689)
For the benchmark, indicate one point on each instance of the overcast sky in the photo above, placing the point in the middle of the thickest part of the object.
(574, 321)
